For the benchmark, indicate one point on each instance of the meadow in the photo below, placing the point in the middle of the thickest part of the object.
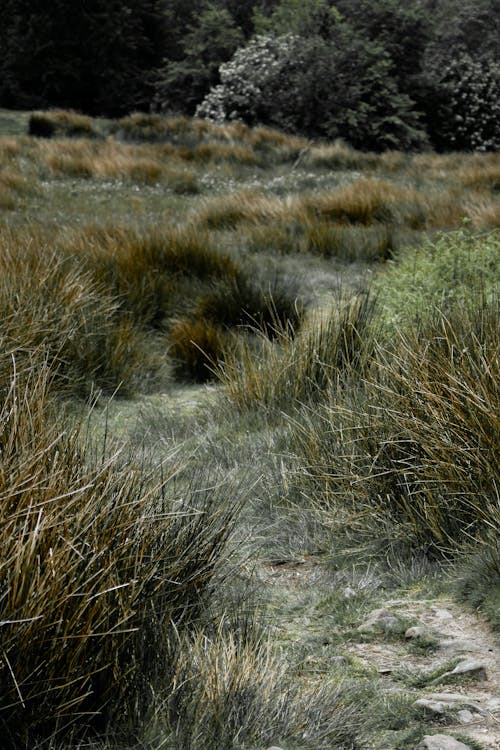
(226, 350)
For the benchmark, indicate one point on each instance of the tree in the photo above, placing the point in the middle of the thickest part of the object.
(211, 40)
(91, 55)
(467, 116)
(336, 87)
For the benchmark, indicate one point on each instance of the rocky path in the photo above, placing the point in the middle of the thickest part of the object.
(443, 658)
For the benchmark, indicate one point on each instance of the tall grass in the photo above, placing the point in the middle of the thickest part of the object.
(105, 302)
(49, 303)
(294, 369)
(104, 563)
(409, 455)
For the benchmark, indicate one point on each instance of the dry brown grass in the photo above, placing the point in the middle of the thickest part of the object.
(104, 564)
(112, 160)
(245, 207)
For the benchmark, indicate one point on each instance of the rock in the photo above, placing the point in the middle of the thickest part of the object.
(465, 716)
(381, 621)
(442, 614)
(472, 670)
(348, 593)
(441, 742)
(417, 631)
(274, 747)
(457, 699)
(459, 646)
(434, 710)
(442, 708)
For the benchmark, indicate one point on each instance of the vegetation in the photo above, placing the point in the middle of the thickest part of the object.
(340, 309)
(379, 74)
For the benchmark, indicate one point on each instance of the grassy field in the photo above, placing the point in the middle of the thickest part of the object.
(224, 349)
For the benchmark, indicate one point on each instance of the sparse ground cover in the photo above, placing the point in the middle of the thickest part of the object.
(291, 352)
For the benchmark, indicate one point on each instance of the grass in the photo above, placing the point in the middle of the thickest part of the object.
(352, 437)
(100, 558)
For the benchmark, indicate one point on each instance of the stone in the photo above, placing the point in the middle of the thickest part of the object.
(459, 646)
(464, 716)
(417, 631)
(435, 710)
(381, 621)
(472, 670)
(441, 742)
(442, 708)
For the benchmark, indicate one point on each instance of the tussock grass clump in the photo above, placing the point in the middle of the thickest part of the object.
(411, 459)
(368, 201)
(61, 123)
(98, 300)
(368, 244)
(110, 160)
(298, 368)
(244, 207)
(483, 176)
(153, 274)
(200, 139)
(233, 689)
(342, 157)
(100, 559)
(195, 346)
(48, 303)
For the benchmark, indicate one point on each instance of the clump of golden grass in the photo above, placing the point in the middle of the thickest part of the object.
(297, 368)
(49, 303)
(341, 157)
(196, 345)
(232, 688)
(65, 123)
(244, 207)
(484, 214)
(190, 133)
(367, 201)
(111, 160)
(104, 564)
(368, 244)
(482, 176)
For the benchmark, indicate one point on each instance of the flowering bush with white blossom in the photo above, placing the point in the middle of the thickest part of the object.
(469, 115)
(341, 87)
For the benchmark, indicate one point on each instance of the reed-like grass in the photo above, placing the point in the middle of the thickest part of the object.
(61, 123)
(331, 348)
(104, 563)
(50, 304)
(408, 455)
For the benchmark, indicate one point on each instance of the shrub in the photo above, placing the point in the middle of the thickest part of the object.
(338, 87)
(468, 114)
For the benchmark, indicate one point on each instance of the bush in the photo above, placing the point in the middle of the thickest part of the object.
(468, 113)
(339, 87)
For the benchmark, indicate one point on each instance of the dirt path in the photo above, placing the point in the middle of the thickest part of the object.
(305, 598)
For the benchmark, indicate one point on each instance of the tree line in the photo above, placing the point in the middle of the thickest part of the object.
(378, 73)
